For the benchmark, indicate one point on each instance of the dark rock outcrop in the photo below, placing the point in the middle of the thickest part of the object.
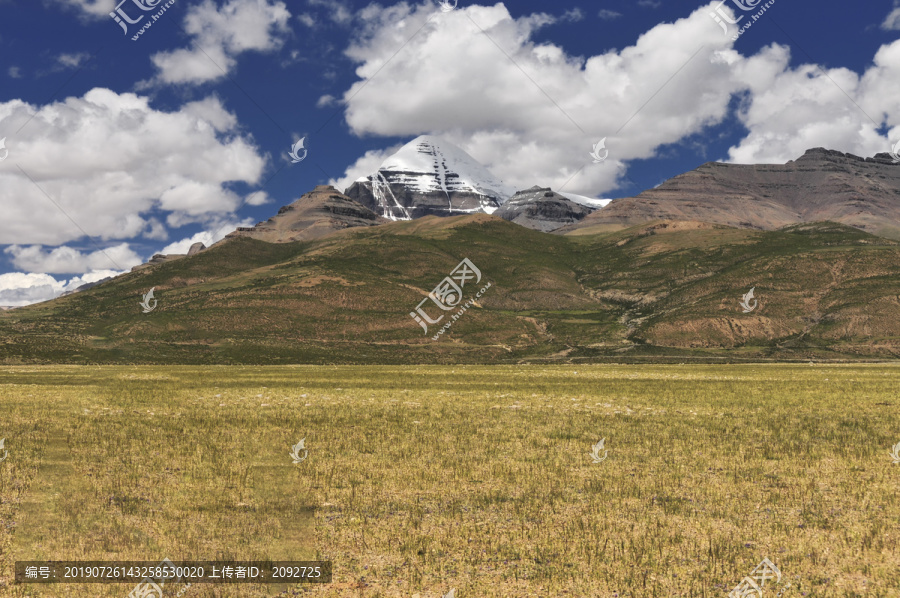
(541, 209)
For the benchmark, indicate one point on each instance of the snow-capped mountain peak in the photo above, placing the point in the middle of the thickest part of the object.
(430, 175)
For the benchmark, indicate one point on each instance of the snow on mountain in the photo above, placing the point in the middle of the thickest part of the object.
(430, 175)
(586, 201)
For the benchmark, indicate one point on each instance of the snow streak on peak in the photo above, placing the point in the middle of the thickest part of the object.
(432, 166)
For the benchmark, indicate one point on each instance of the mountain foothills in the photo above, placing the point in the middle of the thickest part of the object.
(664, 276)
(664, 291)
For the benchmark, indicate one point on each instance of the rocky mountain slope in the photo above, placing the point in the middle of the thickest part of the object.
(662, 291)
(539, 208)
(821, 185)
(316, 214)
(429, 176)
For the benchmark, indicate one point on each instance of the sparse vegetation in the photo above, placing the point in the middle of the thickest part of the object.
(651, 293)
(420, 479)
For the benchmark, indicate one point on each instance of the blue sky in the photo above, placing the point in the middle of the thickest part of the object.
(122, 148)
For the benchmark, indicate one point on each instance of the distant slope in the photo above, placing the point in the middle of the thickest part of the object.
(316, 214)
(821, 185)
(658, 291)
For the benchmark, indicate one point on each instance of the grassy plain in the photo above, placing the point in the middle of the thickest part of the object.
(422, 479)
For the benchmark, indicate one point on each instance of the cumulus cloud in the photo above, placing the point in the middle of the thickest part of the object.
(531, 112)
(103, 163)
(792, 110)
(66, 260)
(18, 288)
(219, 35)
(499, 110)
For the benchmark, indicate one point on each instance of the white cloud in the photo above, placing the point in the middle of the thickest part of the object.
(364, 166)
(338, 11)
(608, 15)
(574, 15)
(106, 160)
(65, 260)
(453, 81)
(326, 101)
(306, 19)
(207, 237)
(257, 198)
(14, 72)
(72, 60)
(219, 35)
(892, 22)
(792, 110)
(91, 8)
(19, 288)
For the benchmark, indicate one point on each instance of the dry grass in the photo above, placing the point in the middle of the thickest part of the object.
(425, 478)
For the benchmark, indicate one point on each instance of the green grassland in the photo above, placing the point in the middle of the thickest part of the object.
(658, 292)
(422, 479)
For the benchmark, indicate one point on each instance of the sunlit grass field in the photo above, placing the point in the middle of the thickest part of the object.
(423, 479)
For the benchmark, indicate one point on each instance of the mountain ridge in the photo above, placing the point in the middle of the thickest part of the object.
(821, 185)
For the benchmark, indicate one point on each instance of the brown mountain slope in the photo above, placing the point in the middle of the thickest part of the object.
(821, 185)
(316, 214)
